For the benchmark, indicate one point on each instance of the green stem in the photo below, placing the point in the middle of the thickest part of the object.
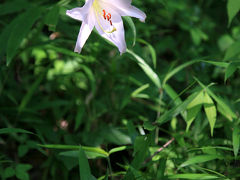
(158, 115)
(110, 167)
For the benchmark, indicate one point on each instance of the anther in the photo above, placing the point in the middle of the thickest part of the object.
(109, 16)
(104, 14)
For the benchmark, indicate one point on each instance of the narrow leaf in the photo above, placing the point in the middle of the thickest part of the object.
(236, 140)
(20, 31)
(176, 110)
(233, 6)
(232, 67)
(75, 147)
(152, 51)
(84, 169)
(30, 92)
(222, 107)
(118, 149)
(13, 130)
(193, 176)
(132, 26)
(210, 111)
(199, 159)
(147, 69)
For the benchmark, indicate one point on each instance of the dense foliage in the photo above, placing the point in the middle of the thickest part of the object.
(166, 109)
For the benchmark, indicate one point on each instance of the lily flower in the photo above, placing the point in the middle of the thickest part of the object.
(105, 16)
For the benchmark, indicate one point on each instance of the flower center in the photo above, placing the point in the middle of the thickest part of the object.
(105, 15)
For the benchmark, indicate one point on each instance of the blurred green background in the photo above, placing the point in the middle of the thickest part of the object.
(177, 84)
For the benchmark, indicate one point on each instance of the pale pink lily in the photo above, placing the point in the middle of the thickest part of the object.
(105, 16)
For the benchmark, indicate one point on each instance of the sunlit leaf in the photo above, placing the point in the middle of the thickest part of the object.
(199, 159)
(139, 90)
(210, 111)
(117, 149)
(193, 176)
(73, 147)
(222, 107)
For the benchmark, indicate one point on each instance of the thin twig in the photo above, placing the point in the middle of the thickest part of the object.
(159, 150)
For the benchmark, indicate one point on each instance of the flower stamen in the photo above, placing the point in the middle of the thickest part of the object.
(105, 16)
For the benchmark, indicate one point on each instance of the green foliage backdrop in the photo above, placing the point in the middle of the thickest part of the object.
(166, 109)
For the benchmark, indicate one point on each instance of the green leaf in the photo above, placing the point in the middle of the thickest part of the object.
(177, 69)
(193, 176)
(198, 100)
(22, 150)
(132, 26)
(192, 114)
(233, 6)
(194, 108)
(21, 171)
(199, 159)
(13, 6)
(232, 51)
(222, 107)
(5, 34)
(236, 139)
(147, 69)
(210, 111)
(219, 64)
(8, 172)
(65, 51)
(140, 151)
(20, 31)
(117, 149)
(13, 130)
(30, 92)
(148, 126)
(198, 35)
(139, 90)
(79, 117)
(176, 110)
(189, 63)
(212, 147)
(90, 154)
(161, 168)
(232, 67)
(73, 147)
(172, 94)
(51, 19)
(84, 169)
(152, 51)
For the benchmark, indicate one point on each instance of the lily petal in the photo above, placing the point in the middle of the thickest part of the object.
(80, 13)
(84, 33)
(133, 12)
(125, 8)
(117, 37)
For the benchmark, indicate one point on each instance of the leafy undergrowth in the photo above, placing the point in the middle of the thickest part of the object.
(166, 109)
